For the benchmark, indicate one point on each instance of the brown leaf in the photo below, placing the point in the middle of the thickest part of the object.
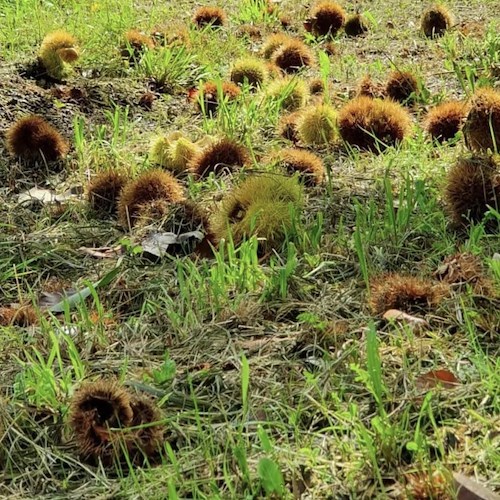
(435, 378)
(468, 489)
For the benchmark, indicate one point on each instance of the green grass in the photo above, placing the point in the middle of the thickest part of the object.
(273, 377)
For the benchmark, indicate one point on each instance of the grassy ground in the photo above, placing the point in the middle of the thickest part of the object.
(273, 376)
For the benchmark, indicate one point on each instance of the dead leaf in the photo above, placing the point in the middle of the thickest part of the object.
(468, 489)
(414, 322)
(157, 244)
(435, 378)
(103, 252)
(44, 196)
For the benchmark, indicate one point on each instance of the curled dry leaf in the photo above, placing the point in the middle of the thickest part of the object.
(415, 323)
(435, 378)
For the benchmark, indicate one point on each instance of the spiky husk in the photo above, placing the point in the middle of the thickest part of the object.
(373, 124)
(462, 269)
(173, 152)
(425, 486)
(356, 25)
(316, 86)
(435, 21)
(104, 190)
(208, 96)
(402, 86)
(147, 441)
(32, 137)
(404, 293)
(273, 42)
(368, 88)
(326, 18)
(249, 70)
(291, 92)
(150, 186)
(293, 56)
(57, 51)
(261, 206)
(98, 412)
(287, 126)
(222, 155)
(482, 127)
(472, 184)
(209, 15)
(317, 124)
(444, 121)
(136, 43)
(22, 316)
(308, 165)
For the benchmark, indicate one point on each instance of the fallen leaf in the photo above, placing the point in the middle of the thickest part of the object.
(157, 244)
(435, 378)
(44, 196)
(412, 321)
(468, 489)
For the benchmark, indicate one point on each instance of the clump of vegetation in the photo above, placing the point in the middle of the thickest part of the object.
(356, 25)
(325, 18)
(404, 293)
(22, 316)
(273, 42)
(173, 151)
(444, 121)
(57, 51)
(150, 186)
(369, 88)
(291, 93)
(373, 124)
(261, 206)
(222, 155)
(308, 165)
(317, 124)
(249, 70)
(482, 127)
(402, 86)
(435, 21)
(209, 15)
(287, 126)
(210, 94)
(104, 190)
(293, 56)
(32, 137)
(471, 186)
